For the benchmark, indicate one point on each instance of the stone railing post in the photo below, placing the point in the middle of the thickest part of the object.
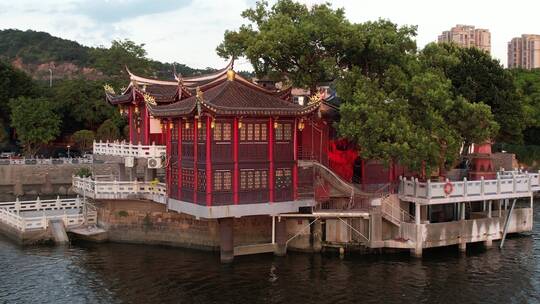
(58, 203)
(415, 182)
(482, 186)
(464, 187)
(428, 190)
(498, 183)
(38, 204)
(514, 183)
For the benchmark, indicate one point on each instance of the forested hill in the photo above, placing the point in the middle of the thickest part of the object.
(37, 52)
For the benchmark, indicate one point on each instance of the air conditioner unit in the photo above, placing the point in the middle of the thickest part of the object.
(129, 161)
(154, 163)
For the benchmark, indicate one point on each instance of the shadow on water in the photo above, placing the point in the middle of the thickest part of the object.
(122, 273)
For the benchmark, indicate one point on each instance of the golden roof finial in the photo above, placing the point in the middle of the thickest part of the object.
(149, 99)
(199, 93)
(231, 74)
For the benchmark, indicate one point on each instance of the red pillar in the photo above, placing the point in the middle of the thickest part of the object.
(208, 161)
(195, 152)
(180, 158)
(130, 117)
(168, 146)
(271, 159)
(147, 126)
(236, 172)
(295, 156)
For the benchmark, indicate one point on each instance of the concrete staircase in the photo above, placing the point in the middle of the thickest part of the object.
(392, 212)
(58, 232)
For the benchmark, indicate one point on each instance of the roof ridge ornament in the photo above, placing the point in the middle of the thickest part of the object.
(231, 74)
(315, 98)
(149, 99)
(109, 89)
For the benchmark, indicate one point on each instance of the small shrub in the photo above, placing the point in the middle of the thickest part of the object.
(122, 213)
(84, 172)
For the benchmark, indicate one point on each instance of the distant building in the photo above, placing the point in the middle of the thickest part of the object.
(524, 52)
(467, 36)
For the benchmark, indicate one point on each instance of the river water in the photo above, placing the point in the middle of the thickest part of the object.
(121, 273)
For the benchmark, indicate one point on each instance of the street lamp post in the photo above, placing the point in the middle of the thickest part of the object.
(68, 154)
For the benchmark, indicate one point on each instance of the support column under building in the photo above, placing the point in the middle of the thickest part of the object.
(418, 245)
(317, 236)
(462, 241)
(281, 237)
(226, 239)
(488, 243)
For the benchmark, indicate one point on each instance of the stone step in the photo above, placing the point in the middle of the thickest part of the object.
(254, 249)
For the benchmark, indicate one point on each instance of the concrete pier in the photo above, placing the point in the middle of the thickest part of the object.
(226, 239)
(281, 237)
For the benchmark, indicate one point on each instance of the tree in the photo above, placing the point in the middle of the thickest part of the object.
(80, 103)
(480, 78)
(108, 131)
(307, 46)
(14, 83)
(35, 122)
(122, 53)
(300, 43)
(84, 139)
(527, 84)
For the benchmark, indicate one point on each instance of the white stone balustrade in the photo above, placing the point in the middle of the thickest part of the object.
(507, 185)
(124, 149)
(32, 215)
(106, 189)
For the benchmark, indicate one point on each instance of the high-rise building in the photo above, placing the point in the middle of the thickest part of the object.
(524, 52)
(467, 36)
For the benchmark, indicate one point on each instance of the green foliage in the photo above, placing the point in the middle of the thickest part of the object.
(108, 131)
(84, 139)
(479, 78)
(302, 44)
(81, 104)
(84, 172)
(14, 83)
(35, 122)
(123, 213)
(40, 47)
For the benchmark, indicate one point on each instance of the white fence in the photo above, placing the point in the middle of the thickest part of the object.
(106, 189)
(70, 211)
(507, 184)
(126, 149)
(45, 161)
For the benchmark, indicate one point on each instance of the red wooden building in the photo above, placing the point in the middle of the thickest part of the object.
(232, 143)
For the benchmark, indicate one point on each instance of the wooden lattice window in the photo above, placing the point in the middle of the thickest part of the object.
(264, 127)
(283, 132)
(187, 131)
(256, 132)
(222, 180)
(202, 132)
(287, 132)
(249, 132)
(174, 131)
(201, 180)
(187, 178)
(253, 179)
(283, 178)
(217, 131)
(279, 132)
(243, 133)
(222, 132)
(227, 131)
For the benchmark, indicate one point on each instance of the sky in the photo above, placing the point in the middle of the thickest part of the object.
(188, 31)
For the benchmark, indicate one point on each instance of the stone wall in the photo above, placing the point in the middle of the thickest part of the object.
(18, 180)
(149, 223)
